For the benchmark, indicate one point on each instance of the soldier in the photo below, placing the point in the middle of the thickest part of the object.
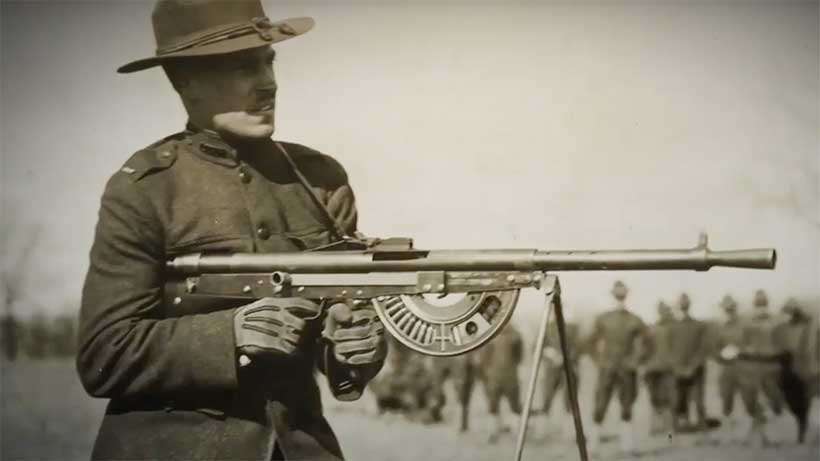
(462, 370)
(218, 381)
(688, 361)
(406, 385)
(757, 367)
(659, 374)
(729, 340)
(759, 343)
(797, 339)
(619, 344)
(499, 361)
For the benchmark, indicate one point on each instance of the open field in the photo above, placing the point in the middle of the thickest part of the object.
(47, 416)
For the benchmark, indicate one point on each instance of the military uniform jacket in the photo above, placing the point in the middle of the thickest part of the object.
(690, 339)
(801, 340)
(619, 340)
(663, 347)
(169, 370)
(758, 335)
(724, 334)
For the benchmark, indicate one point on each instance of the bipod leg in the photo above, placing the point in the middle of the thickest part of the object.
(550, 288)
(580, 438)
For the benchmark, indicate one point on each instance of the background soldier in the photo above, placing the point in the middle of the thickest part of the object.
(759, 343)
(462, 370)
(728, 341)
(797, 339)
(499, 361)
(218, 381)
(619, 343)
(688, 360)
(757, 367)
(406, 384)
(659, 375)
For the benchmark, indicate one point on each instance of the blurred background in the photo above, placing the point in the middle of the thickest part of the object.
(462, 124)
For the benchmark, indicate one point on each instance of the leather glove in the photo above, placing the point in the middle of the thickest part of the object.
(354, 349)
(356, 333)
(272, 327)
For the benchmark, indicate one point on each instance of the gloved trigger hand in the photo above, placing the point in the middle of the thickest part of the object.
(356, 334)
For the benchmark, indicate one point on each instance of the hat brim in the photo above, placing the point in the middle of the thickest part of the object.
(294, 27)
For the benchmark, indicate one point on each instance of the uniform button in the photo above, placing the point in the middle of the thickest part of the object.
(244, 175)
(262, 232)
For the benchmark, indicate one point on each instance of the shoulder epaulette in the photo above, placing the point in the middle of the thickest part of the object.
(156, 157)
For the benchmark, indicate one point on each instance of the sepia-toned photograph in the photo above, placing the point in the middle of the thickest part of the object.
(484, 230)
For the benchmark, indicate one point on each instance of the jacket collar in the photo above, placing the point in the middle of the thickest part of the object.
(210, 146)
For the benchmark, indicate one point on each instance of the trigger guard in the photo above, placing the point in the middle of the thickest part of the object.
(445, 331)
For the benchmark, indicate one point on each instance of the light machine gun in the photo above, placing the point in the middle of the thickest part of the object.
(402, 283)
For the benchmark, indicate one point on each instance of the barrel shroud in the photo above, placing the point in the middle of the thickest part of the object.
(699, 258)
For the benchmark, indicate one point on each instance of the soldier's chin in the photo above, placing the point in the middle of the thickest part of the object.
(244, 125)
(267, 116)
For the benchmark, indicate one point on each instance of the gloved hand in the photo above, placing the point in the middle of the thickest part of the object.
(354, 349)
(356, 333)
(272, 327)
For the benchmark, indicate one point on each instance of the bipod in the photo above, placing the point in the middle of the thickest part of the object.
(552, 301)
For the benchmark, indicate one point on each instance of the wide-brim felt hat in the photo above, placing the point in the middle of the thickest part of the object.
(728, 303)
(619, 289)
(190, 28)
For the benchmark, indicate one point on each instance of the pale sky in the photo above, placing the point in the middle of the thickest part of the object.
(463, 125)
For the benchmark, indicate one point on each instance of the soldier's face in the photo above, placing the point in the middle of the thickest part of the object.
(684, 303)
(241, 82)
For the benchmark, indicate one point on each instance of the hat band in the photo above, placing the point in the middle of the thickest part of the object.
(259, 25)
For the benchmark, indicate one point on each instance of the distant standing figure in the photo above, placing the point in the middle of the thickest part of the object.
(659, 375)
(728, 343)
(462, 370)
(619, 344)
(797, 339)
(688, 360)
(405, 386)
(758, 367)
(759, 341)
(499, 361)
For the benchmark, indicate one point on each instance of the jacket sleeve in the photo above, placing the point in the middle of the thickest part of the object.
(342, 207)
(127, 347)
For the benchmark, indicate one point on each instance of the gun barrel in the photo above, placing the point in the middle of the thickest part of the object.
(699, 258)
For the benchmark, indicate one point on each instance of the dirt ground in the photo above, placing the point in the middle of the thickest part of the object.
(47, 416)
